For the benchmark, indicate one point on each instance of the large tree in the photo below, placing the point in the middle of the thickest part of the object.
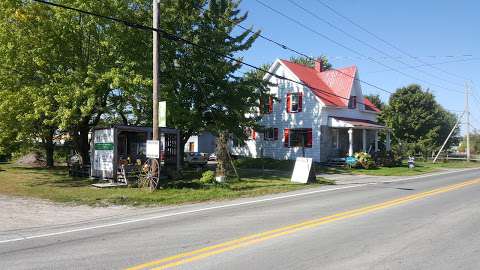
(61, 69)
(417, 120)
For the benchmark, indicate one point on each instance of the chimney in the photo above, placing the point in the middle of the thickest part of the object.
(318, 65)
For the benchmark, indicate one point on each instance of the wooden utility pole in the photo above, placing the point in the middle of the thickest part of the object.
(156, 55)
(467, 111)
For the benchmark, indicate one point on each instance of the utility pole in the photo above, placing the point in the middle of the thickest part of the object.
(156, 54)
(467, 111)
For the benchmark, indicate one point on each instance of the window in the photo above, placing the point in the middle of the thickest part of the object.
(301, 137)
(294, 102)
(266, 105)
(352, 103)
(270, 134)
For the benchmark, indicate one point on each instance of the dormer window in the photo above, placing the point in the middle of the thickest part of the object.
(294, 102)
(352, 103)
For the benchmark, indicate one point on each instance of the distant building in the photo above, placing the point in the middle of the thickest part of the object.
(329, 118)
(204, 142)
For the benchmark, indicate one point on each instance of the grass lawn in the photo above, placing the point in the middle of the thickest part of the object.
(420, 168)
(56, 185)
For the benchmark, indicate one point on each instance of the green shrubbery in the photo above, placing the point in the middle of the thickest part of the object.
(208, 177)
(365, 160)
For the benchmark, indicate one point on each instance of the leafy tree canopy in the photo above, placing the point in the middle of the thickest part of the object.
(417, 120)
(309, 62)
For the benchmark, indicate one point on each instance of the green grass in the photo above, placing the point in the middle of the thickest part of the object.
(56, 185)
(420, 168)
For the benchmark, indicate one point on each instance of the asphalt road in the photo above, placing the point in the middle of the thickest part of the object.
(423, 223)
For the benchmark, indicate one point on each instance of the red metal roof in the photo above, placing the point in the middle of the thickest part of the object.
(333, 87)
(370, 106)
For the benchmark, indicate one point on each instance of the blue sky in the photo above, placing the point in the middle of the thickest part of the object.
(421, 28)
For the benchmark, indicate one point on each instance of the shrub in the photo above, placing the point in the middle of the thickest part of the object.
(365, 160)
(208, 177)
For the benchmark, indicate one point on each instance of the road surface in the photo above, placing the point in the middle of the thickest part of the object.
(428, 222)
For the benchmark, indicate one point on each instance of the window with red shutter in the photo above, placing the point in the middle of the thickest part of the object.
(288, 102)
(309, 138)
(301, 137)
(294, 102)
(270, 104)
(254, 134)
(286, 134)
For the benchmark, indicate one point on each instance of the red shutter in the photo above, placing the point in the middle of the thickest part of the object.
(285, 136)
(288, 102)
(309, 138)
(275, 134)
(300, 98)
(270, 104)
(254, 134)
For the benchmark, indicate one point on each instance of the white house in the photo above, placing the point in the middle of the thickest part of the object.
(325, 116)
(204, 142)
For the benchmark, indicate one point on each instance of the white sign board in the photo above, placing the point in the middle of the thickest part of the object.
(301, 171)
(153, 149)
(103, 150)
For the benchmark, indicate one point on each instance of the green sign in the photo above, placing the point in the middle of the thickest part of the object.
(162, 114)
(104, 146)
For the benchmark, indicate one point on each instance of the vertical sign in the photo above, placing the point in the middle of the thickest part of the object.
(103, 151)
(162, 114)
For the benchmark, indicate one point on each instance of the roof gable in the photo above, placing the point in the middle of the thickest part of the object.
(333, 87)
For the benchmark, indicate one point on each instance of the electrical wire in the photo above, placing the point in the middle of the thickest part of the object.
(366, 43)
(285, 47)
(346, 47)
(176, 38)
(385, 41)
(431, 64)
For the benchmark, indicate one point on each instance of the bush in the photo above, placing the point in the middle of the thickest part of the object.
(208, 177)
(365, 160)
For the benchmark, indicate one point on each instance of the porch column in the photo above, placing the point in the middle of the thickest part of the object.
(376, 140)
(338, 138)
(364, 140)
(388, 145)
(350, 142)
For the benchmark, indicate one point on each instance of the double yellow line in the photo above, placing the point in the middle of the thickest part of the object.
(205, 252)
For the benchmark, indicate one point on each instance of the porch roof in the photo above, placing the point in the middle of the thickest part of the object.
(343, 122)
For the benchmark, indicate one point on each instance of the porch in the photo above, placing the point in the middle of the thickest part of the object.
(345, 136)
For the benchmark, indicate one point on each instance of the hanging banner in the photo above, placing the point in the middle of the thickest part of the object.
(162, 114)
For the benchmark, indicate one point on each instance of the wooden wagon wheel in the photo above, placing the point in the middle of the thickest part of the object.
(150, 174)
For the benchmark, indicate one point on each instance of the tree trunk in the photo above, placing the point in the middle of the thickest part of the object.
(222, 155)
(84, 145)
(49, 146)
(80, 142)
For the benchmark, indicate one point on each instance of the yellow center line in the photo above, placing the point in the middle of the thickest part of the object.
(201, 253)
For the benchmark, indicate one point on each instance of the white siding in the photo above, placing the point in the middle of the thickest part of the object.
(314, 114)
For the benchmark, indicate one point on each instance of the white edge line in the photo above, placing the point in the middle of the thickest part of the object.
(217, 207)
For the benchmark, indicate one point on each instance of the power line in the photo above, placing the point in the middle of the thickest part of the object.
(364, 42)
(431, 64)
(348, 48)
(385, 41)
(176, 38)
(285, 47)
